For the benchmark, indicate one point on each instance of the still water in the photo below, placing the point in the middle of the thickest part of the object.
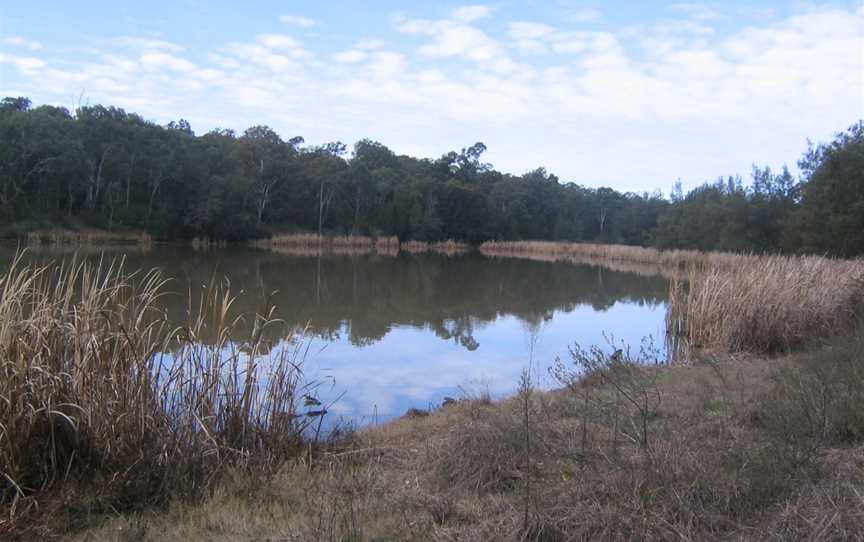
(388, 333)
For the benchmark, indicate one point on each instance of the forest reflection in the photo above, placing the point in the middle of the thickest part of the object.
(365, 296)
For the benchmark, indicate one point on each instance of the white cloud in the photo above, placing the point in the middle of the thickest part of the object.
(165, 60)
(351, 56)
(529, 37)
(25, 64)
(529, 30)
(297, 20)
(699, 12)
(454, 37)
(284, 44)
(583, 15)
(369, 44)
(468, 14)
(22, 42)
(149, 44)
(278, 41)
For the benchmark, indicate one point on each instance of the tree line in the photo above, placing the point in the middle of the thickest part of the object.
(103, 167)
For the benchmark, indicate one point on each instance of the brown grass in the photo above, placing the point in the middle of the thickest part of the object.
(104, 401)
(727, 460)
(681, 259)
(768, 304)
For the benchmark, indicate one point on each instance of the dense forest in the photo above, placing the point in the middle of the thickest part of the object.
(105, 168)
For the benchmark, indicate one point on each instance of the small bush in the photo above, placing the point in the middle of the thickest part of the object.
(483, 450)
(818, 400)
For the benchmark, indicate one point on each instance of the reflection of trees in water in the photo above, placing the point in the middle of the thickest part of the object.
(365, 296)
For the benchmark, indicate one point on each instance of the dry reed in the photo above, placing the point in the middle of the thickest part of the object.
(313, 244)
(99, 390)
(449, 247)
(415, 247)
(767, 304)
(612, 253)
(387, 246)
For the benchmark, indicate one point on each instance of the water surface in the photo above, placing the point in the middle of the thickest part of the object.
(396, 332)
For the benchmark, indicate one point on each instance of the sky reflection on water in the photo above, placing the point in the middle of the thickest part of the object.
(391, 333)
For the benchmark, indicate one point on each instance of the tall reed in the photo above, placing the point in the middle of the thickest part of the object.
(767, 304)
(98, 389)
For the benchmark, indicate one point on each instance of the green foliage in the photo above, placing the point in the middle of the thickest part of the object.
(106, 168)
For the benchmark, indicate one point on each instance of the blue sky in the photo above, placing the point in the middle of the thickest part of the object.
(632, 95)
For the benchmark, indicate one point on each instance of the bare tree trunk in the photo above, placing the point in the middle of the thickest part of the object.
(96, 181)
(129, 178)
(320, 208)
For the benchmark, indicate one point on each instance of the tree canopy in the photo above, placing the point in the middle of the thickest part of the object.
(106, 168)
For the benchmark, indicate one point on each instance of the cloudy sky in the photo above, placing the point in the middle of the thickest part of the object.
(632, 94)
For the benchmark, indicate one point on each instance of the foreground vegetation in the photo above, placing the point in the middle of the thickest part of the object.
(101, 167)
(116, 424)
(104, 406)
(725, 448)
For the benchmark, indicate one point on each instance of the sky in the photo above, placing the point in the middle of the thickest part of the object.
(632, 95)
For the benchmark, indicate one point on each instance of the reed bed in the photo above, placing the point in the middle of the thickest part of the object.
(313, 244)
(600, 252)
(352, 241)
(305, 240)
(387, 246)
(415, 247)
(449, 247)
(87, 238)
(99, 393)
(767, 304)
(731, 302)
(205, 243)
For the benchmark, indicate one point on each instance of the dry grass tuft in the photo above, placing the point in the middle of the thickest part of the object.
(99, 393)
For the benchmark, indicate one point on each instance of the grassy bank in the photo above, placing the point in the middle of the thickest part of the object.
(726, 448)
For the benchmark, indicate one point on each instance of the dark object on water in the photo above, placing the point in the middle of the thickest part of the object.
(616, 355)
(316, 413)
(448, 401)
(308, 400)
(416, 413)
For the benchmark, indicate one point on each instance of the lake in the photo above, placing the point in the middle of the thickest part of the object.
(389, 333)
